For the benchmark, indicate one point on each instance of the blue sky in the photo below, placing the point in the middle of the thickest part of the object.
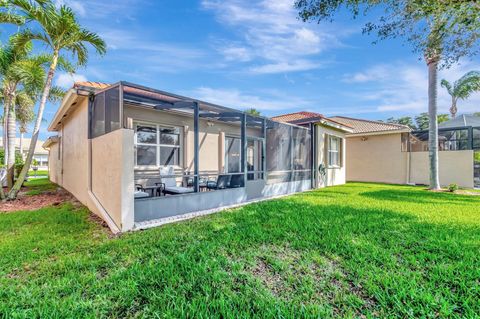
(243, 53)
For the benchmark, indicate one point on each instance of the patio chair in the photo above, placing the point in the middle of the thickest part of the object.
(222, 182)
(139, 193)
(236, 181)
(169, 182)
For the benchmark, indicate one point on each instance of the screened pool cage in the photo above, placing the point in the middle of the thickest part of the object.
(254, 149)
(449, 139)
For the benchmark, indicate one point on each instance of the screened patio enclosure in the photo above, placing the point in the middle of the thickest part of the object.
(192, 156)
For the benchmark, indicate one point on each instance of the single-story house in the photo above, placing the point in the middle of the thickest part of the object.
(330, 144)
(140, 157)
(40, 154)
(393, 153)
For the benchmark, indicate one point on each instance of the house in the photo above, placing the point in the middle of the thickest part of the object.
(140, 157)
(393, 153)
(40, 154)
(330, 161)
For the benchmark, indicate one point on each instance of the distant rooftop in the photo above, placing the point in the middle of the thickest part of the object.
(461, 121)
(300, 118)
(369, 126)
(290, 117)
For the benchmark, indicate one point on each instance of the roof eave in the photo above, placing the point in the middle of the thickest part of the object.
(406, 130)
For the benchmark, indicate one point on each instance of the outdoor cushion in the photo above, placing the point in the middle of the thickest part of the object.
(178, 189)
(140, 194)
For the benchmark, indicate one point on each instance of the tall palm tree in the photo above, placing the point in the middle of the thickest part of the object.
(462, 88)
(18, 71)
(59, 30)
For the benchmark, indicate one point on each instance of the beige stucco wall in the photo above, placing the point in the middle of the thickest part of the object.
(211, 134)
(54, 164)
(112, 175)
(74, 148)
(455, 167)
(376, 158)
(335, 175)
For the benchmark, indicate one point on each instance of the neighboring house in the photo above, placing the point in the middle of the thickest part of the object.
(330, 159)
(40, 154)
(139, 157)
(392, 153)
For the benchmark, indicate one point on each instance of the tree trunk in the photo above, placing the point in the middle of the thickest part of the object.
(33, 142)
(11, 134)
(6, 109)
(453, 108)
(433, 124)
(20, 144)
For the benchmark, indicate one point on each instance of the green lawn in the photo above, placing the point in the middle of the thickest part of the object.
(39, 185)
(39, 173)
(346, 251)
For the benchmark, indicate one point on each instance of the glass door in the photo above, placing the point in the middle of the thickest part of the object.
(254, 159)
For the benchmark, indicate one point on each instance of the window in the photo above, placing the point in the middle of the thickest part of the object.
(232, 155)
(254, 159)
(334, 151)
(157, 145)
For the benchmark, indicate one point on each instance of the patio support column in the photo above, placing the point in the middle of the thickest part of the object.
(264, 149)
(243, 132)
(196, 142)
(312, 156)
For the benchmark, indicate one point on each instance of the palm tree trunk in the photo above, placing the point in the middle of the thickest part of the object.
(6, 109)
(33, 142)
(20, 144)
(11, 134)
(433, 124)
(453, 108)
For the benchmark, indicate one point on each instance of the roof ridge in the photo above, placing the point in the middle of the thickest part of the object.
(299, 112)
(370, 121)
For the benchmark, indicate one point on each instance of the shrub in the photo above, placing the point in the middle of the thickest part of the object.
(453, 187)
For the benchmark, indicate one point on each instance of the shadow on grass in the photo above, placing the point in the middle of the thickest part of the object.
(407, 267)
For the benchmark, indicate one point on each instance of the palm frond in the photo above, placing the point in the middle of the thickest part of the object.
(56, 94)
(11, 18)
(445, 84)
(467, 84)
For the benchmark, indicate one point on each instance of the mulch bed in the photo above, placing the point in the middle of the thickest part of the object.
(33, 202)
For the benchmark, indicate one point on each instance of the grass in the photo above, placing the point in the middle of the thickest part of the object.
(38, 186)
(355, 250)
(39, 173)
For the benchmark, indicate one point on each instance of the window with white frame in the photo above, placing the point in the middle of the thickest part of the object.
(334, 151)
(157, 145)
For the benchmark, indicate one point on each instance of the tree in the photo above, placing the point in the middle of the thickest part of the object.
(18, 72)
(422, 120)
(462, 89)
(476, 113)
(440, 31)
(58, 30)
(406, 120)
(253, 111)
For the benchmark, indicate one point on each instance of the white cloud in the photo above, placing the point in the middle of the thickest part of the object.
(66, 80)
(77, 6)
(235, 53)
(272, 34)
(237, 99)
(403, 88)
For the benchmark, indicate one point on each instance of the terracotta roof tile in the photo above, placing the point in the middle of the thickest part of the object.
(95, 85)
(296, 116)
(368, 126)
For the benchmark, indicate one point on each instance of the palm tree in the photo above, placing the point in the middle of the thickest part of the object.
(18, 72)
(59, 30)
(462, 88)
